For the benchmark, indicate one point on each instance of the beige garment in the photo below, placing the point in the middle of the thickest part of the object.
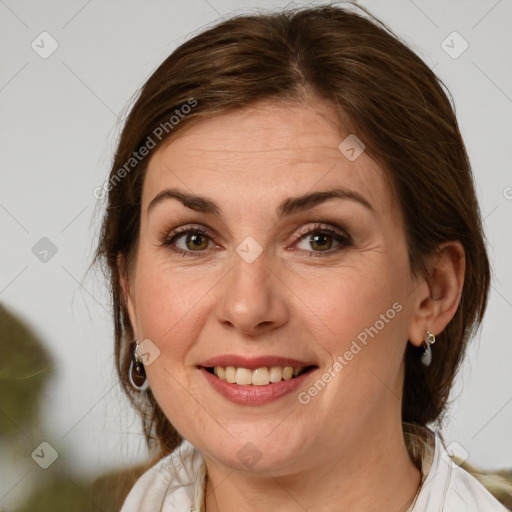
(177, 483)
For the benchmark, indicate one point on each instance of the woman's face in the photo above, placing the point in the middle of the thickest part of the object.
(290, 253)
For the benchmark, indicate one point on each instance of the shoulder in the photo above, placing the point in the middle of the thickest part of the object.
(466, 493)
(450, 488)
(170, 485)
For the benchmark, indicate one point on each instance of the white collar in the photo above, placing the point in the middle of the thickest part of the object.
(177, 483)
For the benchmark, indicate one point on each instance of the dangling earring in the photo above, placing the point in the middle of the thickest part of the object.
(426, 357)
(136, 372)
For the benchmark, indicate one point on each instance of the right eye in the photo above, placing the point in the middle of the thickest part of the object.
(188, 241)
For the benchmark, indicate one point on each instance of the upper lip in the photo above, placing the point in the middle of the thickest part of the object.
(253, 362)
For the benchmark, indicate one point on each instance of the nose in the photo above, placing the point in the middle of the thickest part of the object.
(254, 299)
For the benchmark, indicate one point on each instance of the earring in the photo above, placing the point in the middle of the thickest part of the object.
(426, 357)
(136, 372)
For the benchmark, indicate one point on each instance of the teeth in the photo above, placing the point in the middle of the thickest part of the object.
(276, 374)
(287, 372)
(220, 372)
(230, 374)
(259, 376)
(243, 376)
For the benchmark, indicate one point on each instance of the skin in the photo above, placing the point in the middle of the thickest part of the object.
(326, 454)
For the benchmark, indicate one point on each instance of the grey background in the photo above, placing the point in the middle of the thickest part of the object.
(60, 120)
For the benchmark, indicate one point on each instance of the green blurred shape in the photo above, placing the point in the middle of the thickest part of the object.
(25, 365)
(498, 483)
(61, 493)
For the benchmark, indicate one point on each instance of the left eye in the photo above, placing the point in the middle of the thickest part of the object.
(193, 241)
(322, 240)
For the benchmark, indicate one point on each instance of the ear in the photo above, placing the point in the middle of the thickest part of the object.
(438, 296)
(127, 293)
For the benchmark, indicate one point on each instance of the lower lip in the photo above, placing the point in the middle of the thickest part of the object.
(254, 395)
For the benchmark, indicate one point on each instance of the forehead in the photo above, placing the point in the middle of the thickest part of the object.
(264, 153)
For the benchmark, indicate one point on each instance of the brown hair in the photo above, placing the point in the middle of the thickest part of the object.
(382, 91)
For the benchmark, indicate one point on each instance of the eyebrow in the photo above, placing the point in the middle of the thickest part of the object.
(287, 207)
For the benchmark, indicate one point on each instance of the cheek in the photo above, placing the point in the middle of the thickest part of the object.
(363, 326)
(347, 300)
(363, 338)
(168, 304)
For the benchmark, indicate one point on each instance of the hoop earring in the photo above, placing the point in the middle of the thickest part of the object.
(426, 357)
(136, 372)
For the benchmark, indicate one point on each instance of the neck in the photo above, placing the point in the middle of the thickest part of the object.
(369, 476)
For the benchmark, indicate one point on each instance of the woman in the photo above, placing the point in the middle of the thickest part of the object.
(297, 262)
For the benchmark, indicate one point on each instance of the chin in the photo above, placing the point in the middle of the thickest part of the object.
(255, 450)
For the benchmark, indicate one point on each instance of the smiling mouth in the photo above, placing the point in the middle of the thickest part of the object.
(263, 376)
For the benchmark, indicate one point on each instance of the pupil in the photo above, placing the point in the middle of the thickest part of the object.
(322, 238)
(196, 240)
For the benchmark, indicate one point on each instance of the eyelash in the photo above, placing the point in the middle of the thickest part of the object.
(339, 235)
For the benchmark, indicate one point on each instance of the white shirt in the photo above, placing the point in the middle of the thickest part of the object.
(177, 482)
